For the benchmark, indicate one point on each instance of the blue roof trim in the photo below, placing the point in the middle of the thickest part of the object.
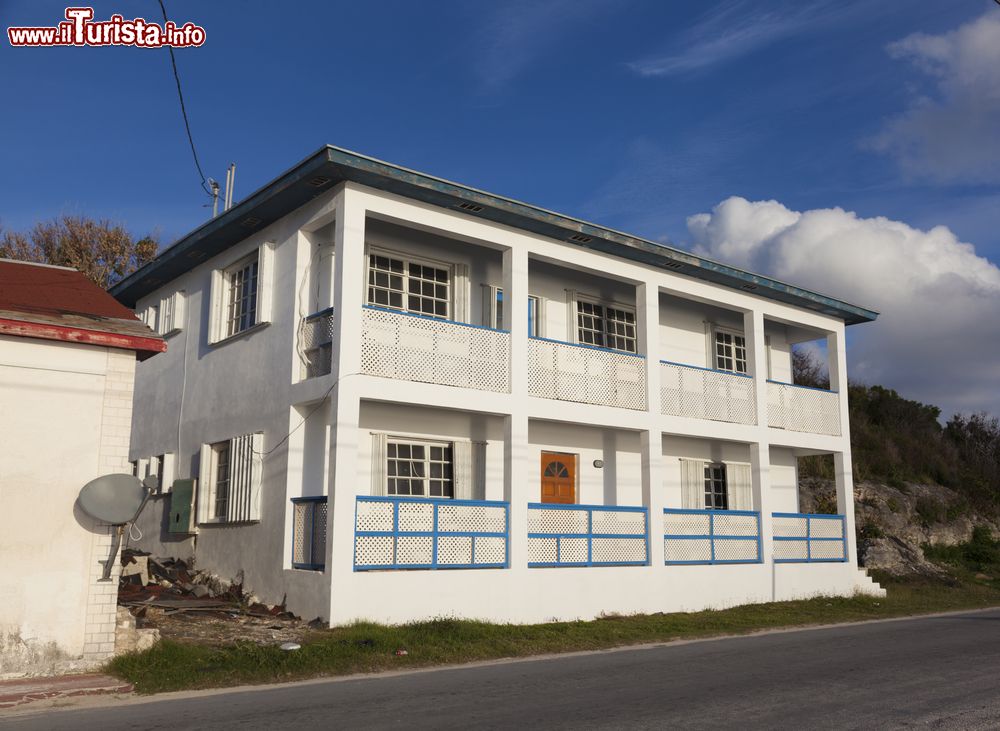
(332, 165)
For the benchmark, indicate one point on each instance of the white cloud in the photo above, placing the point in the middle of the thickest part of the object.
(728, 32)
(937, 337)
(951, 134)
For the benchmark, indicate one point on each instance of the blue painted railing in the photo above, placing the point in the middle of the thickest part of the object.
(430, 533)
(309, 532)
(714, 540)
(809, 538)
(612, 549)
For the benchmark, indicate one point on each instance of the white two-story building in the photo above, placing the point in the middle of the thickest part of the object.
(400, 397)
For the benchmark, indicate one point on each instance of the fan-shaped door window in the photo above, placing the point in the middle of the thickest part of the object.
(558, 478)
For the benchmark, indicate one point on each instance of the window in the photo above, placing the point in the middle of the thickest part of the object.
(152, 317)
(309, 532)
(730, 352)
(716, 492)
(171, 313)
(241, 297)
(606, 326)
(419, 468)
(493, 310)
(410, 286)
(221, 460)
(230, 480)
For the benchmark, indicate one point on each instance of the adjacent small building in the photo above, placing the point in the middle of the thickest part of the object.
(67, 361)
(401, 397)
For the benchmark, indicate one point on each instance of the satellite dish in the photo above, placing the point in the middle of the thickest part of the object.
(114, 499)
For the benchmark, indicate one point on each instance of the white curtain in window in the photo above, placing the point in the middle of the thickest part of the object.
(461, 293)
(379, 442)
(739, 487)
(461, 455)
(692, 484)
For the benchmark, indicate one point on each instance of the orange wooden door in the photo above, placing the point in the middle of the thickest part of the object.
(558, 478)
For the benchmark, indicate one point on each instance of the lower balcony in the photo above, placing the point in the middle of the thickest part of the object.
(711, 536)
(586, 374)
(803, 409)
(704, 393)
(586, 535)
(410, 347)
(427, 533)
(809, 538)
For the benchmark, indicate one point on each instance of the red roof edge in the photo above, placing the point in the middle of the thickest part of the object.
(143, 347)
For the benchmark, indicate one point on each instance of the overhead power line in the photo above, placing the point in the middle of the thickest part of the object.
(180, 96)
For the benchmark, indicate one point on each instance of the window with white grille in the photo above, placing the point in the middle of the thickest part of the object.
(231, 480)
(419, 468)
(730, 352)
(606, 326)
(240, 296)
(411, 286)
(716, 492)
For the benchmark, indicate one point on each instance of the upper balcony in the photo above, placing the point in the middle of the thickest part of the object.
(434, 312)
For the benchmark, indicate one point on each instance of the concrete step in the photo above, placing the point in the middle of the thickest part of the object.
(17, 692)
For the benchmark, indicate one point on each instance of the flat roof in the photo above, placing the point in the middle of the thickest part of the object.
(331, 165)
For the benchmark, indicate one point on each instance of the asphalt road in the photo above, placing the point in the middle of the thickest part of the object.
(936, 672)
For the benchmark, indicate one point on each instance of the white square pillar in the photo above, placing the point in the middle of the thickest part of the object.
(647, 299)
(515, 316)
(345, 401)
(753, 333)
(516, 488)
(842, 464)
(760, 476)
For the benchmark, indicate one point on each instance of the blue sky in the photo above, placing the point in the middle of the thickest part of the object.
(636, 115)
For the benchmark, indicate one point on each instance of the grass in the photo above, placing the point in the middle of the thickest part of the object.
(371, 648)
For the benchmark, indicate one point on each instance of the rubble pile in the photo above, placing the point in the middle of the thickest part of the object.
(189, 605)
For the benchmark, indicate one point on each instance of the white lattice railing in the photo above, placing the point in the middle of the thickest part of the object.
(586, 535)
(809, 538)
(429, 533)
(585, 374)
(711, 536)
(316, 338)
(800, 408)
(702, 393)
(416, 348)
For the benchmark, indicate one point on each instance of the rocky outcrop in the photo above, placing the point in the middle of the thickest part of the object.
(894, 522)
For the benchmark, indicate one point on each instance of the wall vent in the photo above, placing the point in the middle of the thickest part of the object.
(195, 254)
(750, 287)
(471, 207)
(250, 221)
(318, 182)
(673, 265)
(580, 238)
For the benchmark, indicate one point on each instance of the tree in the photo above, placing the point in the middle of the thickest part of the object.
(807, 370)
(103, 251)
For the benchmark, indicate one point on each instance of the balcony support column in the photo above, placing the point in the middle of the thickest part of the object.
(760, 476)
(842, 463)
(647, 300)
(345, 402)
(753, 330)
(520, 479)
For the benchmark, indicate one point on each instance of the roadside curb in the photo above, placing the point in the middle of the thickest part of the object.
(14, 693)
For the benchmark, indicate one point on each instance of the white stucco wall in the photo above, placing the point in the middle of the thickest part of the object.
(198, 393)
(66, 415)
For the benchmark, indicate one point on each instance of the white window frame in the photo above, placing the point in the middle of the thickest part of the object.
(172, 313)
(427, 444)
(409, 259)
(492, 317)
(712, 472)
(604, 304)
(220, 295)
(716, 364)
(243, 480)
